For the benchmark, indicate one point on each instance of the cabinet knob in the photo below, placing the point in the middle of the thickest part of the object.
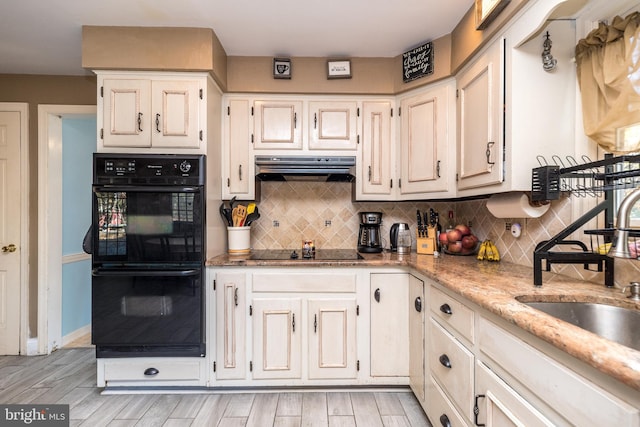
(418, 304)
(444, 421)
(151, 372)
(444, 361)
(446, 309)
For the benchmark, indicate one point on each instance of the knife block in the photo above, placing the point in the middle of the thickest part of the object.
(426, 245)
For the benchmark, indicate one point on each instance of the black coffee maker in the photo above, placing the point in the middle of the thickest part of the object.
(369, 235)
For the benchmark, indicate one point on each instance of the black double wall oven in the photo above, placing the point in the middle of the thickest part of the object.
(148, 249)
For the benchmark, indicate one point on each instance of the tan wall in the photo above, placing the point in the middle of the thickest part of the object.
(36, 90)
(153, 48)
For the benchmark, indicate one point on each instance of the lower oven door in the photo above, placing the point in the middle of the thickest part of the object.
(148, 312)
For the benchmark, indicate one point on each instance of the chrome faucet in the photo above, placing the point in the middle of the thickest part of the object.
(620, 245)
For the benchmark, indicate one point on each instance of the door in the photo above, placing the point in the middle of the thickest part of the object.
(332, 125)
(277, 338)
(332, 338)
(389, 325)
(237, 167)
(416, 337)
(375, 166)
(126, 114)
(230, 326)
(176, 114)
(10, 226)
(481, 100)
(277, 125)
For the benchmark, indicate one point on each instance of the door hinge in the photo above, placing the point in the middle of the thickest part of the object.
(399, 111)
(392, 112)
(201, 94)
(456, 177)
(358, 140)
(358, 310)
(391, 183)
(252, 111)
(214, 284)
(252, 138)
(101, 91)
(358, 365)
(399, 182)
(358, 112)
(101, 133)
(250, 310)
(214, 366)
(228, 110)
(457, 93)
(250, 366)
(201, 135)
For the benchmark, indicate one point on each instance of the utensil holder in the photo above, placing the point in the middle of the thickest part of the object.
(239, 240)
(426, 245)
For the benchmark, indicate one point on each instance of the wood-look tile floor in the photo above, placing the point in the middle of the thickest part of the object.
(68, 376)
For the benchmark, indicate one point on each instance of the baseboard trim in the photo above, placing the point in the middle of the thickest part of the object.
(78, 333)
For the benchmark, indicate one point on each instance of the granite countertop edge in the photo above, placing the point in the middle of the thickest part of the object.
(499, 287)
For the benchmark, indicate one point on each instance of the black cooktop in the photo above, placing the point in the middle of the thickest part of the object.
(321, 255)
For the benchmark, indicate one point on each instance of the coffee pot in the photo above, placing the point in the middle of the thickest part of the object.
(369, 235)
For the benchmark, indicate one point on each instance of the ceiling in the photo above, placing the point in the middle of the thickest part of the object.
(39, 37)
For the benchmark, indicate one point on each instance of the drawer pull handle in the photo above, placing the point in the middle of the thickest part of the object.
(376, 295)
(151, 372)
(444, 361)
(476, 411)
(418, 304)
(446, 309)
(444, 421)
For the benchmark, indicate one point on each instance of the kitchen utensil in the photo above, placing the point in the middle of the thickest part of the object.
(250, 218)
(234, 216)
(250, 208)
(419, 218)
(242, 214)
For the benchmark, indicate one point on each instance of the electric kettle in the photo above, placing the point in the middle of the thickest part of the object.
(400, 238)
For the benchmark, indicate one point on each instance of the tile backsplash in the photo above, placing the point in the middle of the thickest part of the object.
(293, 211)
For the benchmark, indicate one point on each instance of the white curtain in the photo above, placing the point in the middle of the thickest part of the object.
(608, 67)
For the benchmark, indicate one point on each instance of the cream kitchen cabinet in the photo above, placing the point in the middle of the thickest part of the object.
(160, 111)
(238, 167)
(389, 325)
(427, 142)
(417, 338)
(230, 303)
(376, 157)
(511, 112)
(480, 99)
(277, 338)
(277, 124)
(333, 125)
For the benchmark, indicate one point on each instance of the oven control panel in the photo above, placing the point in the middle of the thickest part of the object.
(148, 169)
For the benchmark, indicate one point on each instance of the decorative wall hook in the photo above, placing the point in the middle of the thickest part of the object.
(548, 61)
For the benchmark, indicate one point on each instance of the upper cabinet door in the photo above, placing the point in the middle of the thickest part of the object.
(126, 113)
(175, 114)
(277, 125)
(237, 163)
(375, 163)
(427, 134)
(481, 106)
(332, 125)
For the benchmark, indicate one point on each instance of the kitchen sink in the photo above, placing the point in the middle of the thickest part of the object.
(618, 324)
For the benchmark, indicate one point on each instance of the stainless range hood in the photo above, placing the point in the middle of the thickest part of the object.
(306, 168)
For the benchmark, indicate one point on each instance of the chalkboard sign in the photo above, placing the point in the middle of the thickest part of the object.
(417, 62)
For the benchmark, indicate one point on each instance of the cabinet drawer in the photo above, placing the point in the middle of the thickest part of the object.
(452, 313)
(439, 409)
(581, 402)
(167, 370)
(304, 282)
(452, 366)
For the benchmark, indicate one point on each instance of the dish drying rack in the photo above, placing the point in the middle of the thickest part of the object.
(600, 178)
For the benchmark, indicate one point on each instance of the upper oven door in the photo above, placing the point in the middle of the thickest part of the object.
(148, 225)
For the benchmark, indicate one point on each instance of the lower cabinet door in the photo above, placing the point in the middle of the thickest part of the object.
(277, 343)
(499, 405)
(332, 338)
(230, 324)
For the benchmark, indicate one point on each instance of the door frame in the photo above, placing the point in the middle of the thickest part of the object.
(50, 220)
(23, 109)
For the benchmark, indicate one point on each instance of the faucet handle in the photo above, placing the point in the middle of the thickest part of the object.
(635, 290)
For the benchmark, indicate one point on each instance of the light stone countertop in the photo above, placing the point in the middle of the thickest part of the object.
(495, 287)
